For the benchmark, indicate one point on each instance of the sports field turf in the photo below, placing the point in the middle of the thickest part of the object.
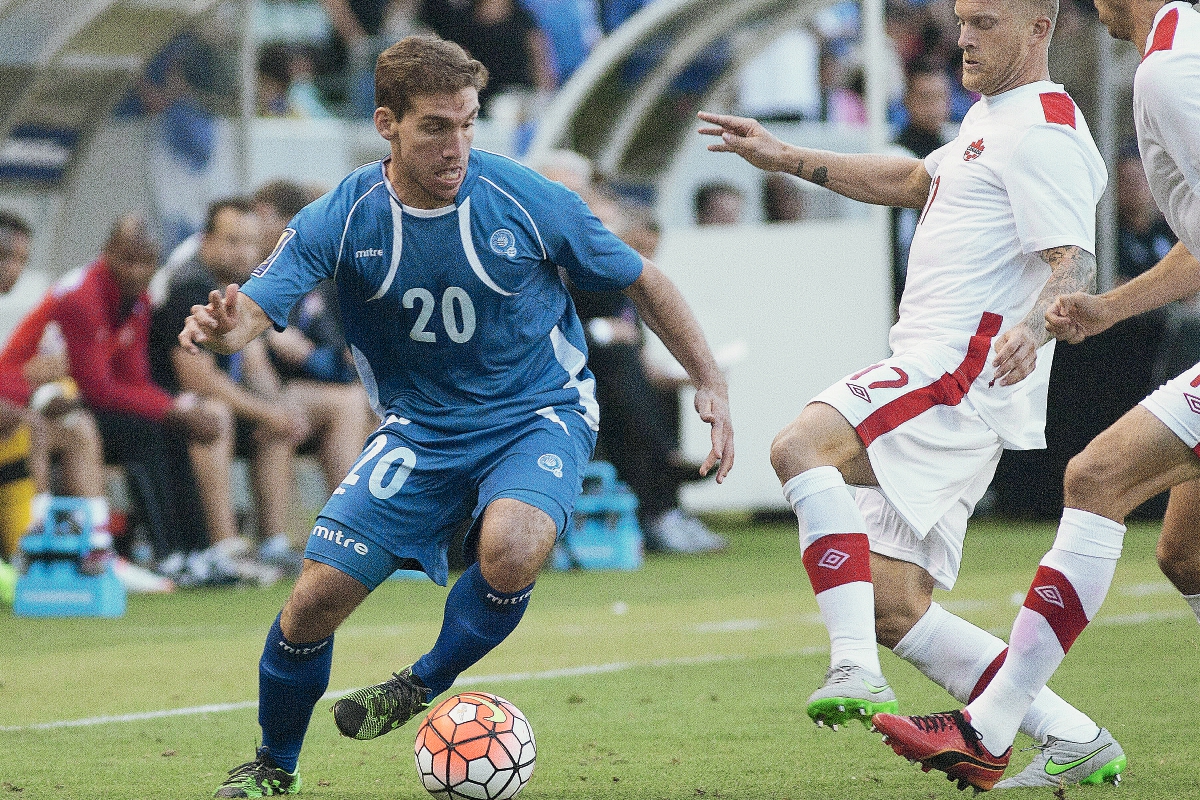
(685, 679)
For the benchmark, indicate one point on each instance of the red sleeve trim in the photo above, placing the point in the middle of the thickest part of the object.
(1164, 33)
(1058, 107)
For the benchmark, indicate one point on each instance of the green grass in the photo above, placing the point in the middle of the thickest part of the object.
(706, 663)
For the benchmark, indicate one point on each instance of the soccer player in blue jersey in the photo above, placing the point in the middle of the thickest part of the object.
(446, 261)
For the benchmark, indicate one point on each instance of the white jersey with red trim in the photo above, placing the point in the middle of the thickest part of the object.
(1166, 110)
(1022, 176)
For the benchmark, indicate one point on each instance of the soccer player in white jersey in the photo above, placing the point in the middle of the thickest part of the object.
(1151, 448)
(446, 261)
(1008, 224)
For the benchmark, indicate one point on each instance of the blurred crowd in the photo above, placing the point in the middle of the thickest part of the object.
(93, 376)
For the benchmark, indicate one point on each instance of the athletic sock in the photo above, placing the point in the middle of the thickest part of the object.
(836, 555)
(477, 619)
(1193, 600)
(292, 677)
(962, 658)
(1066, 593)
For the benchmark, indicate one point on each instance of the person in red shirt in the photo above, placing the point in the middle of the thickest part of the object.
(104, 315)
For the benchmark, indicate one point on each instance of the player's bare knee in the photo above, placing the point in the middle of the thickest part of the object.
(1180, 563)
(894, 622)
(1086, 482)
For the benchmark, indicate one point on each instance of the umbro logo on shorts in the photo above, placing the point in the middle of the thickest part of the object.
(1193, 402)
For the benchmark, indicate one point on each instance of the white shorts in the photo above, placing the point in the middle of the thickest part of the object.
(938, 552)
(928, 446)
(1177, 405)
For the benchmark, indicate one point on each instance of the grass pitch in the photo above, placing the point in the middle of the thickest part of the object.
(685, 679)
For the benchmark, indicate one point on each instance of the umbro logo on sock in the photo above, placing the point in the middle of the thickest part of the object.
(833, 559)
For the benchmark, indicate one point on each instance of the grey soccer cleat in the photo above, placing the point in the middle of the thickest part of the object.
(379, 709)
(850, 692)
(1060, 763)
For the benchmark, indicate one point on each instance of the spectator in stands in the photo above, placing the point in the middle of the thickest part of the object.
(41, 416)
(927, 103)
(284, 85)
(1143, 235)
(355, 46)
(501, 35)
(639, 422)
(269, 426)
(173, 93)
(103, 313)
(311, 354)
(718, 203)
(782, 198)
(572, 28)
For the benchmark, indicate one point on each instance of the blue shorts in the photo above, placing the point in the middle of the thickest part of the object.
(413, 488)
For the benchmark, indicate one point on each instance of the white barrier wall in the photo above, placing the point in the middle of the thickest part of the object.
(811, 301)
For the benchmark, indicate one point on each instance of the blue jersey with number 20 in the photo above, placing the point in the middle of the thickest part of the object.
(457, 317)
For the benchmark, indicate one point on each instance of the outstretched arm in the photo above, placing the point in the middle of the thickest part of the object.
(1073, 270)
(884, 180)
(666, 313)
(225, 325)
(1074, 317)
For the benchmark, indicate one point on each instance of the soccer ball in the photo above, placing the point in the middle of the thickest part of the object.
(474, 746)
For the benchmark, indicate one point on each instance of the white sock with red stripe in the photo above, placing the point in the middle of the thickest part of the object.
(1066, 593)
(963, 658)
(836, 553)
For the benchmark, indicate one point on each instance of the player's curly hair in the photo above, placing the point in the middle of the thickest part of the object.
(424, 65)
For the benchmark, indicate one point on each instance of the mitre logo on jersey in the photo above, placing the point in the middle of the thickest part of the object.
(1051, 595)
(1193, 402)
(974, 150)
(833, 559)
(370, 252)
(503, 243)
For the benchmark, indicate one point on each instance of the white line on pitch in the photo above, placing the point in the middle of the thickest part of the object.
(470, 680)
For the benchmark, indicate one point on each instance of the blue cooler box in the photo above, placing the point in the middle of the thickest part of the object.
(604, 531)
(52, 585)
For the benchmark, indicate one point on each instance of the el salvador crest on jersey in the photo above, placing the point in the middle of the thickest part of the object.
(503, 243)
(551, 463)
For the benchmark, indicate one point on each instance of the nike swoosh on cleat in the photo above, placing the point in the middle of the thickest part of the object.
(875, 689)
(1055, 768)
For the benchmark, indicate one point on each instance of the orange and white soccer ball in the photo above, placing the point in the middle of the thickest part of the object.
(474, 746)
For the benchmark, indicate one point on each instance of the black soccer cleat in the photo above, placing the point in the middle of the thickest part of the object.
(379, 709)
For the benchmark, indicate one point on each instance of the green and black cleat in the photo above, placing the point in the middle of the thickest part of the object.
(261, 777)
(379, 709)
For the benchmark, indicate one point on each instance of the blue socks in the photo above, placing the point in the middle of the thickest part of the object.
(477, 619)
(291, 679)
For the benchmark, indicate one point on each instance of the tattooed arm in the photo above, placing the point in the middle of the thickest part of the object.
(1073, 270)
(880, 179)
(1074, 317)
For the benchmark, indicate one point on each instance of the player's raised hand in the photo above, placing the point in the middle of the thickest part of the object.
(1074, 317)
(210, 321)
(747, 138)
(712, 404)
(1016, 355)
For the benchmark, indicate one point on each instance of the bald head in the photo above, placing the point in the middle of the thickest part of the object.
(1032, 9)
(131, 255)
(130, 237)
